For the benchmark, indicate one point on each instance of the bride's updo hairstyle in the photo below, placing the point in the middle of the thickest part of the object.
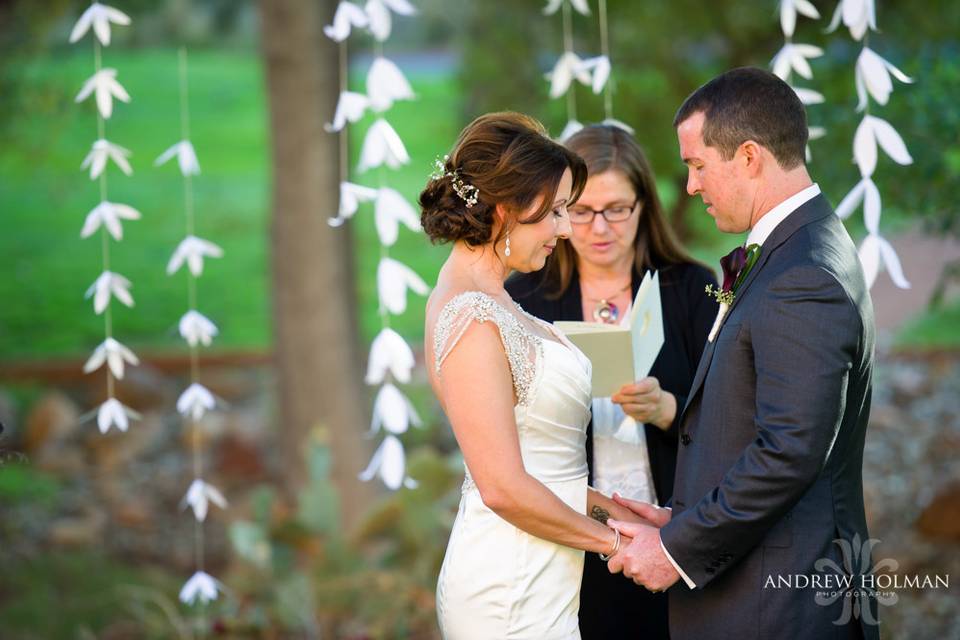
(500, 158)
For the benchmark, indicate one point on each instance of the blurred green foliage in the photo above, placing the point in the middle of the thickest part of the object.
(301, 572)
(661, 51)
(497, 52)
(20, 483)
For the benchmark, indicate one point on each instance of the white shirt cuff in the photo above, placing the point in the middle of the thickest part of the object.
(677, 567)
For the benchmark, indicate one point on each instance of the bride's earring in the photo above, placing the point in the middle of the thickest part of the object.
(506, 251)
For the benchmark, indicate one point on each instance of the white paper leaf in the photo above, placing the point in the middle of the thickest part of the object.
(350, 108)
(794, 56)
(851, 201)
(568, 67)
(351, 195)
(600, 68)
(201, 587)
(199, 496)
(581, 7)
(114, 354)
(195, 401)
(388, 462)
(382, 146)
(193, 250)
(109, 215)
(196, 328)
(386, 84)
(392, 209)
(109, 284)
(858, 16)
(114, 414)
(389, 352)
(99, 16)
(871, 206)
(890, 141)
(808, 96)
(393, 411)
(186, 158)
(378, 19)
(393, 280)
(865, 148)
(892, 264)
(869, 253)
(347, 16)
(788, 14)
(572, 127)
(100, 152)
(104, 85)
(401, 7)
(552, 6)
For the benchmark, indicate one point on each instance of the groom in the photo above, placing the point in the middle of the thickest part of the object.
(771, 437)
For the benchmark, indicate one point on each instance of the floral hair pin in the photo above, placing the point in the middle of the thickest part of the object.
(467, 192)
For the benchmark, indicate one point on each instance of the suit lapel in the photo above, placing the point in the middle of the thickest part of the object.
(810, 211)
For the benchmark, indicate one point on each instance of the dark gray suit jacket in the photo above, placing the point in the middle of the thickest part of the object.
(769, 470)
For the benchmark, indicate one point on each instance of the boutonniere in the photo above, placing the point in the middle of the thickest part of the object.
(736, 265)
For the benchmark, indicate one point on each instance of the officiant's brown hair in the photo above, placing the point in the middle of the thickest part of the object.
(510, 160)
(610, 148)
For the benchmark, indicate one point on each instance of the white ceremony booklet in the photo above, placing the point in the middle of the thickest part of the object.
(622, 353)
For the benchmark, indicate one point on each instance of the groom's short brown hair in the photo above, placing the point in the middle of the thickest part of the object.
(750, 104)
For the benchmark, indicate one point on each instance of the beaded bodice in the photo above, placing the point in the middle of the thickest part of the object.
(551, 380)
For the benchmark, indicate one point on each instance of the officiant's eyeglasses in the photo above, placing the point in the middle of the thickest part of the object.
(618, 213)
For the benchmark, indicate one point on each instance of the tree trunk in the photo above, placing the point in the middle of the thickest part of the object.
(314, 302)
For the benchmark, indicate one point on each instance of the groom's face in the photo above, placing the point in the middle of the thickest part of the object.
(721, 184)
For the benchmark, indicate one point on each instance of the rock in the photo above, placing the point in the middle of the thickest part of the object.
(50, 423)
(136, 514)
(115, 449)
(238, 461)
(8, 416)
(144, 388)
(80, 531)
(941, 518)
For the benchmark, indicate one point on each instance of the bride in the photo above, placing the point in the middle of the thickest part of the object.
(517, 393)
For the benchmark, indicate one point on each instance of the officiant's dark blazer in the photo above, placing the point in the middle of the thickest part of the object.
(610, 606)
(769, 469)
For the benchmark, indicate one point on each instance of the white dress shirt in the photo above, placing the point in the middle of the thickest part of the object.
(758, 235)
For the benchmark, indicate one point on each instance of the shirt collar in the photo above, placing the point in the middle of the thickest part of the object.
(765, 225)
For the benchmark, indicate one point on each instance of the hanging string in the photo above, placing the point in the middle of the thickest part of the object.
(104, 237)
(568, 48)
(605, 51)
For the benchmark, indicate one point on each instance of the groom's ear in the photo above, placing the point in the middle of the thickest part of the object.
(752, 157)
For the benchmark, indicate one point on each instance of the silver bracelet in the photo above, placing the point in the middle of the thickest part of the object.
(616, 547)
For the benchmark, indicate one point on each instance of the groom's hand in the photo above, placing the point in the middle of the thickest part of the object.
(643, 560)
(651, 514)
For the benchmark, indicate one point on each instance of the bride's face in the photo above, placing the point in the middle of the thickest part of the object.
(532, 244)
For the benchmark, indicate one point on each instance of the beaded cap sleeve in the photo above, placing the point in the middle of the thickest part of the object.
(521, 347)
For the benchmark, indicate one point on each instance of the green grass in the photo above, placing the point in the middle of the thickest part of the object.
(932, 329)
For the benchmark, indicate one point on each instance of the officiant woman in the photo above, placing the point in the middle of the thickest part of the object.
(619, 234)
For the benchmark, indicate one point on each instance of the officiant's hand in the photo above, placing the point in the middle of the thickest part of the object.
(643, 560)
(645, 401)
(650, 514)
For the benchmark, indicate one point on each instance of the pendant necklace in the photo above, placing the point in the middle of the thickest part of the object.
(605, 310)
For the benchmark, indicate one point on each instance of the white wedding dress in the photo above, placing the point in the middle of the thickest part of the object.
(497, 581)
